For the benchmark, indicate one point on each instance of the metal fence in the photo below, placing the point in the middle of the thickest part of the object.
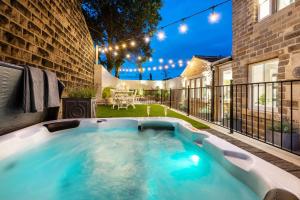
(267, 111)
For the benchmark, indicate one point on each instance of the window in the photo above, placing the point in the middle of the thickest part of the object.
(267, 7)
(284, 3)
(264, 8)
(226, 76)
(262, 92)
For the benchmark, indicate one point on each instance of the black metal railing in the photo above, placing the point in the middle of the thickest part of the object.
(266, 111)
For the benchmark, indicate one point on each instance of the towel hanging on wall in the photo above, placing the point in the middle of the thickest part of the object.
(52, 90)
(36, 89)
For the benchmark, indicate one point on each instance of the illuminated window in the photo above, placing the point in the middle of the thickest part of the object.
(283, 3)
(264, 8)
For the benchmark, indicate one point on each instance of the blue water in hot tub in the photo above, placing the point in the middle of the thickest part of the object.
(115, 163)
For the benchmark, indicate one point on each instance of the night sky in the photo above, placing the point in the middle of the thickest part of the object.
(202, 37)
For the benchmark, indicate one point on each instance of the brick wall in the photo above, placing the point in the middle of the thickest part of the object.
(48, 34)
(277, 36)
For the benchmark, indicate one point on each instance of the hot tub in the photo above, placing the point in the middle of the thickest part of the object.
(132, 158)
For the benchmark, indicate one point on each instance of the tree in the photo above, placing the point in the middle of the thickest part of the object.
(112, 22)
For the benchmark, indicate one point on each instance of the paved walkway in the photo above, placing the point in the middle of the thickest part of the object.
(283, 164)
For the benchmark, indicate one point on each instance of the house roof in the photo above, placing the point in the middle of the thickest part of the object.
(209, 58)
(222, 61)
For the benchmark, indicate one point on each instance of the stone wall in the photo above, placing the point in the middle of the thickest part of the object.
(277, 36)
(48, 34)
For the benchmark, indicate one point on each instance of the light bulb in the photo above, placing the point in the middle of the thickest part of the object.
(150, 59)
(115, 53)
(128, 56)
(147, 39)
(183, 28)
(170, 61)
(124, 46)
(161, 60)
(132, 43)
(149, 68)
(116, 47)
(214, 17)
(139, 58)
(166, 67)
(173, 65)
(161, 35)
(160, 67)
(154, 68)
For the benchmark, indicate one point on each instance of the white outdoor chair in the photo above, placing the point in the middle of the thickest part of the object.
(132, 99)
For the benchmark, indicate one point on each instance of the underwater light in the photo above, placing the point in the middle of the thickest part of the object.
(195, 159)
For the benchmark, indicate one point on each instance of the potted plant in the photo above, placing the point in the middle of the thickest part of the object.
(107, 96)
(80, 103)
(286, 135)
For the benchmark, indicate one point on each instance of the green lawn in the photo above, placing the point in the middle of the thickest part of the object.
(141, 111)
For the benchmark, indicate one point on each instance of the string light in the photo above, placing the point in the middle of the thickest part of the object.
(149, 68)
(173, 65)
(139, 58)
(166, 67)
(150, 59)
(183, 28)
(154, 68)
(161, 60)
(116, 47)
(214, 17)
(160, 67)
(170, 61)
(115, 53)
(132, 43)
(128, 56)
(161, 35)
(147, 39)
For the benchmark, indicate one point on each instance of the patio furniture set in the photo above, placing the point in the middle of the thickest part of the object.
(124, 98)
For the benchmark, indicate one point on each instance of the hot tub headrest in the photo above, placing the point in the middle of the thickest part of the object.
(280, 194)
(156, 125)
(58, 126)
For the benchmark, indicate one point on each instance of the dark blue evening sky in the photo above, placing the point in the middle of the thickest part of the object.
(202, 37)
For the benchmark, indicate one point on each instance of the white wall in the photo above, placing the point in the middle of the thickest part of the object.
(107, 80)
